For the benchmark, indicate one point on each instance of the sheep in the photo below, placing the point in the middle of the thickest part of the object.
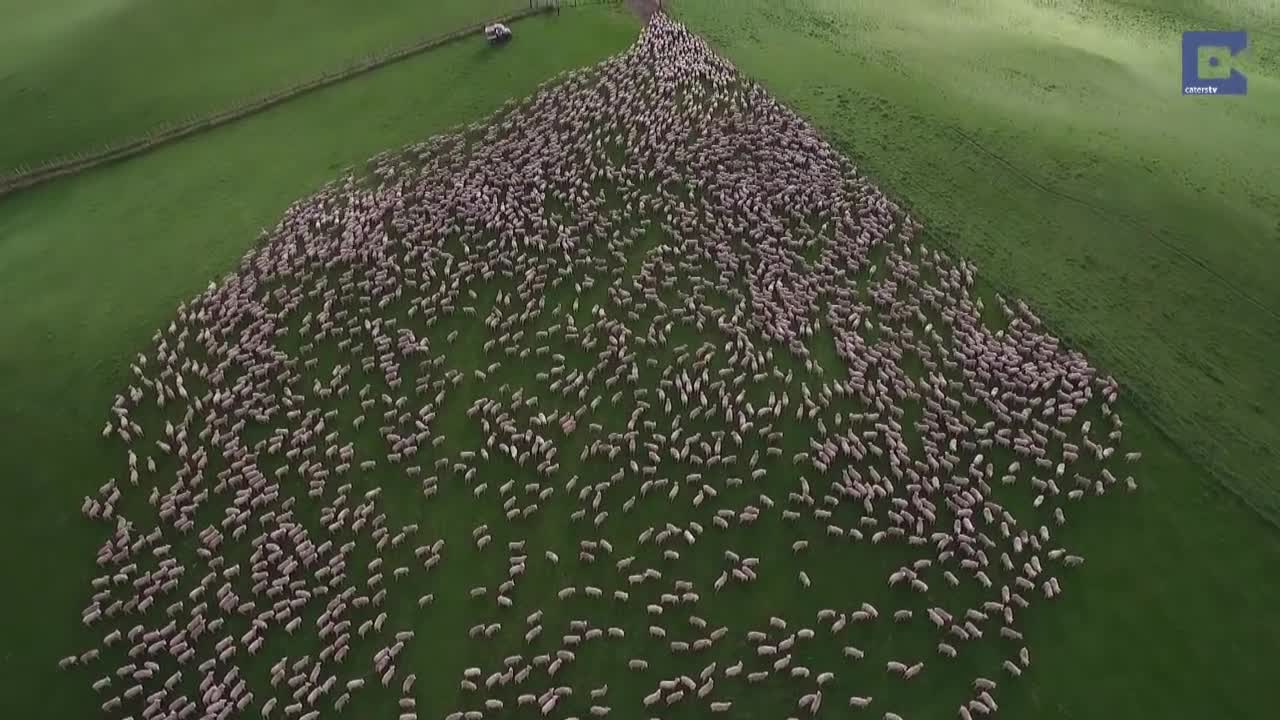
(353, 272)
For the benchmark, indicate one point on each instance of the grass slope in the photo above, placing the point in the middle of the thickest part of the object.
(1167, 619)
(1048, 141)
(90, 266)
(78, 74)
(1170, 618)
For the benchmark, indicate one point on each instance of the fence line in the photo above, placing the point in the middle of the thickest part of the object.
(557, 4)
(80, 161)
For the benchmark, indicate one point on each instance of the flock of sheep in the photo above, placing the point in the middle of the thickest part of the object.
(649, 291)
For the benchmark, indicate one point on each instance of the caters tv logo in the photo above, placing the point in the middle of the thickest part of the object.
(1207, 58)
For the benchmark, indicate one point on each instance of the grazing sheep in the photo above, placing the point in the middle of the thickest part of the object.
(355, 296)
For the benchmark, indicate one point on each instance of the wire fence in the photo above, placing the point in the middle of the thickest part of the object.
(556, 4)
(26, 177)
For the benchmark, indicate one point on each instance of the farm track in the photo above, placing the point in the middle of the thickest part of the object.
(644, 8)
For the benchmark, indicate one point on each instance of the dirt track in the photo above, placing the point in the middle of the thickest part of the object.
(644, 8)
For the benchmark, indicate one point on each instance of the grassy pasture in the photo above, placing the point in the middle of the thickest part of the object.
(78, 74)
(1049, 142)
(91, 265)
(1169, 618)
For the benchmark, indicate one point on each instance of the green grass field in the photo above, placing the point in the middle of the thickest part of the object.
(90, 266)
(981, 116)
(1049, 142)
(77, 75)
